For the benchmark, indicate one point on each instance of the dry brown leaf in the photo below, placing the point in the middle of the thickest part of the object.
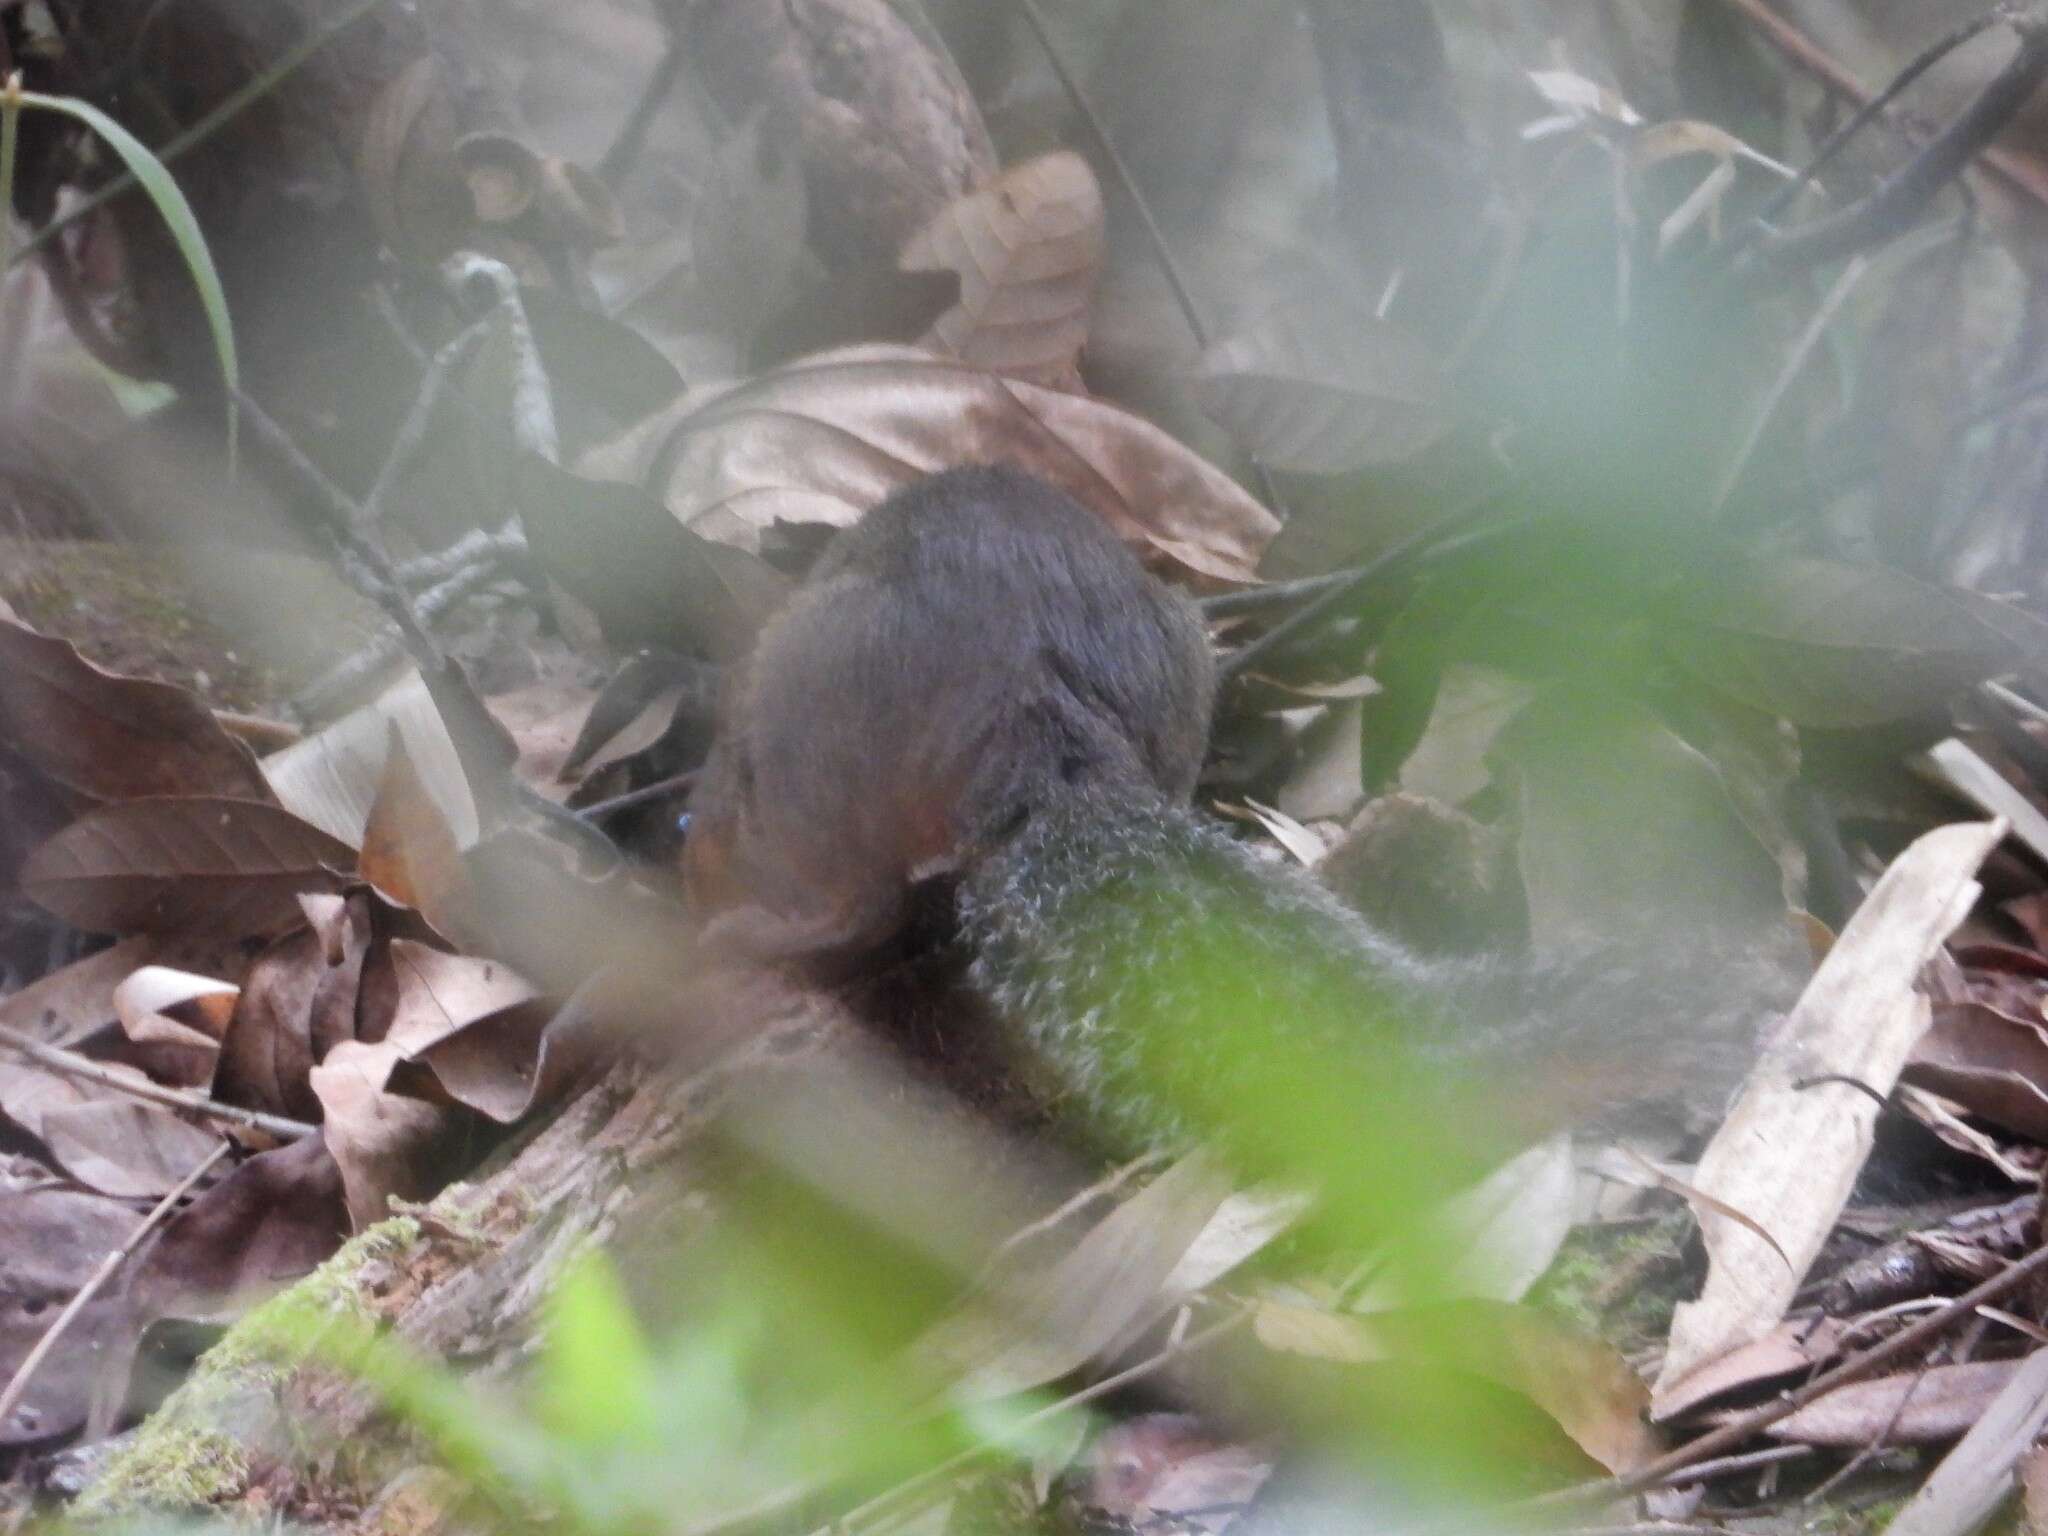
(1051, 1321)
(267, 1223)
(1322, 393)
(1790, 1349)
(235, 867)
(51, 1240)
(522, 1060)
(1939, 1404)
(158, 1005)
(112, 737)
(409, 852)
(543, 721)
(124, 1147)
(440, 994)
(76, 1000)
(827, 437)
(384, 1144)
(1028, 250)
(1988, 1064)
(1976, 1477)
(330, 779)
(268, 1050)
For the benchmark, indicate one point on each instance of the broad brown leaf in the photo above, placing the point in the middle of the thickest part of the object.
(112, 737)
(1318, 393)
(410, 854)
(160, 865)
(827, 437)
(1824, 643)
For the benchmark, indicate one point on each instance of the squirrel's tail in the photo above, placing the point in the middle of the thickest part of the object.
(1175, 984)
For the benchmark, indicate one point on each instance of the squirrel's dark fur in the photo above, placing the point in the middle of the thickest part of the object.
(979, 682)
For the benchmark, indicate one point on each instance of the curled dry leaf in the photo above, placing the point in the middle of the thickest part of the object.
(111, 737)
(440, 994)
(827, 437)
(1318, 393)
(300, 1001)
(1789, 1350)
(330, 778)
(409, 852)
(1028, 250)
(78, 999)
(160, 1005)
(384, 1144)
(236, 867)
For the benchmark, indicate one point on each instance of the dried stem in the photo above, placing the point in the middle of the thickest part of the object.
(86, 1070)
(12, 1394)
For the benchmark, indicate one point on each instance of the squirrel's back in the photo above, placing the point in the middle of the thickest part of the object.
(980, 683)
(978, 644)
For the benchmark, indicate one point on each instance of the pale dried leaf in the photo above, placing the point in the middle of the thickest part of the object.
(330, 779)
(825, 438)
(1028, 250)
(1787, 1155)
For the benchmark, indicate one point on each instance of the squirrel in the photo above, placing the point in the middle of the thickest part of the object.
(980, 691)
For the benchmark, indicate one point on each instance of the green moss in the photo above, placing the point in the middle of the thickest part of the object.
(1621, 1282)
(196, 1450)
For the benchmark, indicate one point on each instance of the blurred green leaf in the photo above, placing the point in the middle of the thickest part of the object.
(1824, 643)
(596, 1382)
(162, 188)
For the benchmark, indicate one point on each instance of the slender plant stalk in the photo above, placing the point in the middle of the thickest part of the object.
(10, 130)
(17, 1388)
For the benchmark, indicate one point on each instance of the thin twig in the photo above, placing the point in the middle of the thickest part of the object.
(1900, 197)
(16, 1388)
(1183, 292)
(660, 789)
(1868, 1451)
(412, 431)
(1275, 594)
(231, 107)
(71, 1064)
(624, 149)
(1839, 140)
(2017, 171)
(1728, 1466)
(1404, 550)
(1161, 251)
(1655, 1473)
(315, 699)
(1795, 364)
(368, 567)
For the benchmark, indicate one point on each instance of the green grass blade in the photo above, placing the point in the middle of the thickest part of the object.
(162, 188)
